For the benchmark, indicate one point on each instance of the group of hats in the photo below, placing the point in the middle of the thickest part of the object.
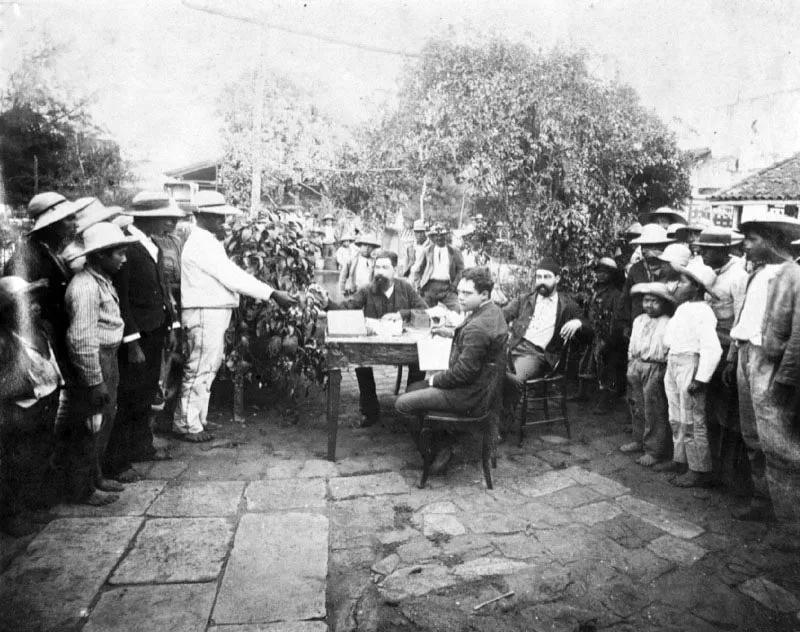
(694, 269)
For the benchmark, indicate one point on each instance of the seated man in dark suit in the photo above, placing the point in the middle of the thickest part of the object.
(387, 298)
(542, 322)
(478, 342)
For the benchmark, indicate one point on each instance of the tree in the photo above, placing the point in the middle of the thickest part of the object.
(558, 158)
(49, 140)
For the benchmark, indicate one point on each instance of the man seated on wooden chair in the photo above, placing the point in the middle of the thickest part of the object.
(542, 322)
(465, 386)
(387, 298)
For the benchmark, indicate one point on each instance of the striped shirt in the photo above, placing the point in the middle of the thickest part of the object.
(95, 322)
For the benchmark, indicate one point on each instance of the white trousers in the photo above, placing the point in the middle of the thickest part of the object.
(204, 330)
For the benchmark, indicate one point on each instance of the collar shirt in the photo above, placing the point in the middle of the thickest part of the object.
(388, 293)
(441, 264)
(726, 303)
(543, 322)
(647, 339)
(363, 273)
(95, 322)
(693, 330)
(148, 243)
(210, 280)
(751, 317)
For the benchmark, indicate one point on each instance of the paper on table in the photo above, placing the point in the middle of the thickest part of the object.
(434, 353)
(346, 322)
(386, 328)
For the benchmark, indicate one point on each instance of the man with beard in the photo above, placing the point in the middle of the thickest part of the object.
(765, 355)
(387, 298)
(210, 288)
(542, 322)
(653, 240)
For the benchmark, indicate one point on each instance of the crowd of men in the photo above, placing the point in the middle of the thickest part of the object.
(96, 304)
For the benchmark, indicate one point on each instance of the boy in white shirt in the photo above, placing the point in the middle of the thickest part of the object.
(647, 366)
(694, 352)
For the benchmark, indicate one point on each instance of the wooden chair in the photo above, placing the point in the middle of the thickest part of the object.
(540, 393)
(488, 422)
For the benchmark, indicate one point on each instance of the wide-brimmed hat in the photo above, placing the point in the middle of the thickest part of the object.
(634, 230)
(652, 234)
(676, 254)
(213, 203)
(784, 223)
(718, 237)
(671, 215)
(347, 237)
(607, 262)
(419, 226)
(700, 273)
(101, 236)
(155, 204)
(439, 229)
(368, 239)
(93, 211)
(672, 230)
(654, 289)
(48, 208)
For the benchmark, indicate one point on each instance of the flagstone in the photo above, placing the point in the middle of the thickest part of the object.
(298, 493)
(367, 485)
(197, 499)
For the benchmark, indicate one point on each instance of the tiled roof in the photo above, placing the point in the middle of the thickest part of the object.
(780, 181)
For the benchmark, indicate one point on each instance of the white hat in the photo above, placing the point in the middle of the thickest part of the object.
(665, 211)
(701, 273)
(677, 254)
(789, 225)
(155, 204)
(652, 234)
(49, 208)
(367, 238)
(101, 236)
(93, 212)
(654, 289)
(419, 226)
(607, 262)
(213, 202)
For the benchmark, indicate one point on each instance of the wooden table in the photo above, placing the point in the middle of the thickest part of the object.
(341, 353)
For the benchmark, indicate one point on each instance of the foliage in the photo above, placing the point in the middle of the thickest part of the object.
(49, 138)
(296, 139)
(268, 344)
(554, 159)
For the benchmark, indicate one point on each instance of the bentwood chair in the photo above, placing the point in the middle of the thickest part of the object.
(488, 421)
(540, 395)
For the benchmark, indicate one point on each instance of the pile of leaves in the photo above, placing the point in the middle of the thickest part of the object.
(266, 344)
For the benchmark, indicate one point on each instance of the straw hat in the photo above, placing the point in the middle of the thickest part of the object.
(676, 254)
(718, 237)
(665, 211)
(788, 225)
(213, 203)
(101, 236)
(700, 273)
(48, 208)
(652, 234)
(347, 237)
(654, 289)
(634, 230)
(607, 262)
(93, 212)
(419, 226)
(369, 239)
(438, 229)
(155, 204)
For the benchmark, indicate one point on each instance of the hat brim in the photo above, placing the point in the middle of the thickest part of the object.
(695, 278)
(367, 243)
(54, 215)
(106, 215)
(639, 241)
(643, 289)
(674, 218)
(117, 244)
(790, 228)
(221, 209)
(158, 213)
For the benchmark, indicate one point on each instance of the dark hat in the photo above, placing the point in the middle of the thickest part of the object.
(717, 237)
(548, 263)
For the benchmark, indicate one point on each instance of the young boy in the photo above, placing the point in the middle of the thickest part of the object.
(647, 365)
(87, 406)
(694, 352)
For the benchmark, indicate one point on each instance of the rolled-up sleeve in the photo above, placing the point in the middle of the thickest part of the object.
(83, 335)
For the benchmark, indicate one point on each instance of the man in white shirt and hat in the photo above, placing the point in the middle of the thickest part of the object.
(438, 270)
(210, 288)
(415, 250)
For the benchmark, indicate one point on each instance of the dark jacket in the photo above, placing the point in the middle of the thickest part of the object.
(477, 342)
(631, 306)
(33, 260)
(375, 304)
(604, 313)
(780, 333)
(144, 300)
(423, 269)
(520, 311)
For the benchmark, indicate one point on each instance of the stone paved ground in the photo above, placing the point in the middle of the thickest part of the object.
(256, 531)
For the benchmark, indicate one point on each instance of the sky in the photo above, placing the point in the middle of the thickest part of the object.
(718, 71)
